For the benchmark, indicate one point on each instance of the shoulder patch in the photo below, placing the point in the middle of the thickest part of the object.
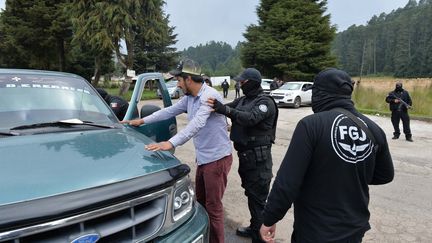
(263, 108)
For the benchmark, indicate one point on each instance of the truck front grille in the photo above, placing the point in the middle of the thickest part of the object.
(138, 219)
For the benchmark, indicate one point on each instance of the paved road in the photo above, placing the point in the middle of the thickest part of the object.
(400, 211)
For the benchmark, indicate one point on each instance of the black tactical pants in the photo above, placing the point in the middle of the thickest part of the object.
(255, 171)
(396, 116)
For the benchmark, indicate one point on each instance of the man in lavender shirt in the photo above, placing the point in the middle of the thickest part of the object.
(210, 136)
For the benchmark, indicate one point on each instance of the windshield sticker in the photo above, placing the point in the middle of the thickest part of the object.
(46, 86)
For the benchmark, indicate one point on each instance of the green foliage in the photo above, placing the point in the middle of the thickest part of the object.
(81, 36)
(147, 94)
(216, 58)
(35, 34)
(292, 39)
(396, 44)
(153, 43)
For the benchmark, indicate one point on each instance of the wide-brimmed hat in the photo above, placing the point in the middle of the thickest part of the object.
(186, 66)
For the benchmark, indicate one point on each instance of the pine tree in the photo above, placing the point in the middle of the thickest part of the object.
(292, 39)
(36, 34)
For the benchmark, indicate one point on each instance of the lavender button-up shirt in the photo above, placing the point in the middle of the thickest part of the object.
(208, 129)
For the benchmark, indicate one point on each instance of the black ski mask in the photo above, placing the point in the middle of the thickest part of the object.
(251, 88)
(332, 88)
(399, 87)
(252, 82)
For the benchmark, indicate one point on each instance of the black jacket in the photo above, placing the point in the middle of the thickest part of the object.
(403, 95)
(325, 174)
(254, 120)
(118, 105)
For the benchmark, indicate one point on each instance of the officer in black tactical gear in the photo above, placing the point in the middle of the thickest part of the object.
(254, 117)
(118, 105)
(400, 101)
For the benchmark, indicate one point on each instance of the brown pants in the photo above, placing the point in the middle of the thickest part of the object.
(210, 184)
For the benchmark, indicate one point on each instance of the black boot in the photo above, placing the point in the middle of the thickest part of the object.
(395, 137)
(244, 231)
(409, 138)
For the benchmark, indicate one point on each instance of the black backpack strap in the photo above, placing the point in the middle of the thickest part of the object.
(359, 123)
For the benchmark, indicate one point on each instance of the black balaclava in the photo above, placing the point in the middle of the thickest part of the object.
(332, 88)
(399, 87)
(251, 88)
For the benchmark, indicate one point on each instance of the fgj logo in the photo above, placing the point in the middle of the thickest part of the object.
(350, 142)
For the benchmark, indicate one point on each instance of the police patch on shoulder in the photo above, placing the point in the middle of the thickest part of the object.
(263, 108)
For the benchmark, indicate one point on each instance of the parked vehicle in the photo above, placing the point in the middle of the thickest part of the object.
(265, 85)
(293, 94)
(174, 91)
(70, 172)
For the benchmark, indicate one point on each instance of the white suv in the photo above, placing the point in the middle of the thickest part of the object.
(293, 94)
(265, 85)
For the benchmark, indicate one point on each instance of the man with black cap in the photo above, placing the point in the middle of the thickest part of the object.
(210, 136)
(333, 157)
(400, 101)
(254, 117)
(118, 105)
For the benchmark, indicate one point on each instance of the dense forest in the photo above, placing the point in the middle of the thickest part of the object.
(216, 58)
(92, 38)
(397, 44)
(87, 37)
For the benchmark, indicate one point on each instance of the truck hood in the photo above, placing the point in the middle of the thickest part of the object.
(50, 164)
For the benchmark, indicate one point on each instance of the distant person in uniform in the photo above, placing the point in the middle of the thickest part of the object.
(225, 87)
(253, 131)
(274, 85)
(117, 104)
(333, 157)
(400, 101)
(237, 89)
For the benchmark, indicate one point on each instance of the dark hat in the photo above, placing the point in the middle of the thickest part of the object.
(334, 81)
(186, 66)
(249, 74)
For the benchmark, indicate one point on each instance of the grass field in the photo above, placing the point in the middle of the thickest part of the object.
(147, 95)
(370, 93)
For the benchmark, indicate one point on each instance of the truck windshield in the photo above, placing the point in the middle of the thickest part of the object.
(30, 99)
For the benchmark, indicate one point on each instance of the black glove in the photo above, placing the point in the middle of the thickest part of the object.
(220, 108)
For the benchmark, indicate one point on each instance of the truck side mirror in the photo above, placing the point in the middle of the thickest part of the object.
(148, 110)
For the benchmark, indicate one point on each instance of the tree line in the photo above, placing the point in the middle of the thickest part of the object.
(396, 44)
(86, 36)
(292, 39)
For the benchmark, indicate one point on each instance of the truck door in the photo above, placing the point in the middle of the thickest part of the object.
(158, 131)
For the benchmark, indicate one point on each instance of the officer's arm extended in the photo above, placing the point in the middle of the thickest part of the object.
(263, 109)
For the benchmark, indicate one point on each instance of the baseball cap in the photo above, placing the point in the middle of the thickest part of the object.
(186, 66)
(249, 74)
(334, 81)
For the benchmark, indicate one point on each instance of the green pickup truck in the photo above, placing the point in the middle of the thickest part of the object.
(70, 172)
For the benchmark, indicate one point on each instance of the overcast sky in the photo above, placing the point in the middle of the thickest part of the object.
(201, 21)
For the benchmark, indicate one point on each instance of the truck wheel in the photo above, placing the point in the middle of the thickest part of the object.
(297, 102)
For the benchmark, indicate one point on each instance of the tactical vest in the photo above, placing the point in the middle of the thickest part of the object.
(263, 133)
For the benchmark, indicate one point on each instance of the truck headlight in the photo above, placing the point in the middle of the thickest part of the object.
(184, 198)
